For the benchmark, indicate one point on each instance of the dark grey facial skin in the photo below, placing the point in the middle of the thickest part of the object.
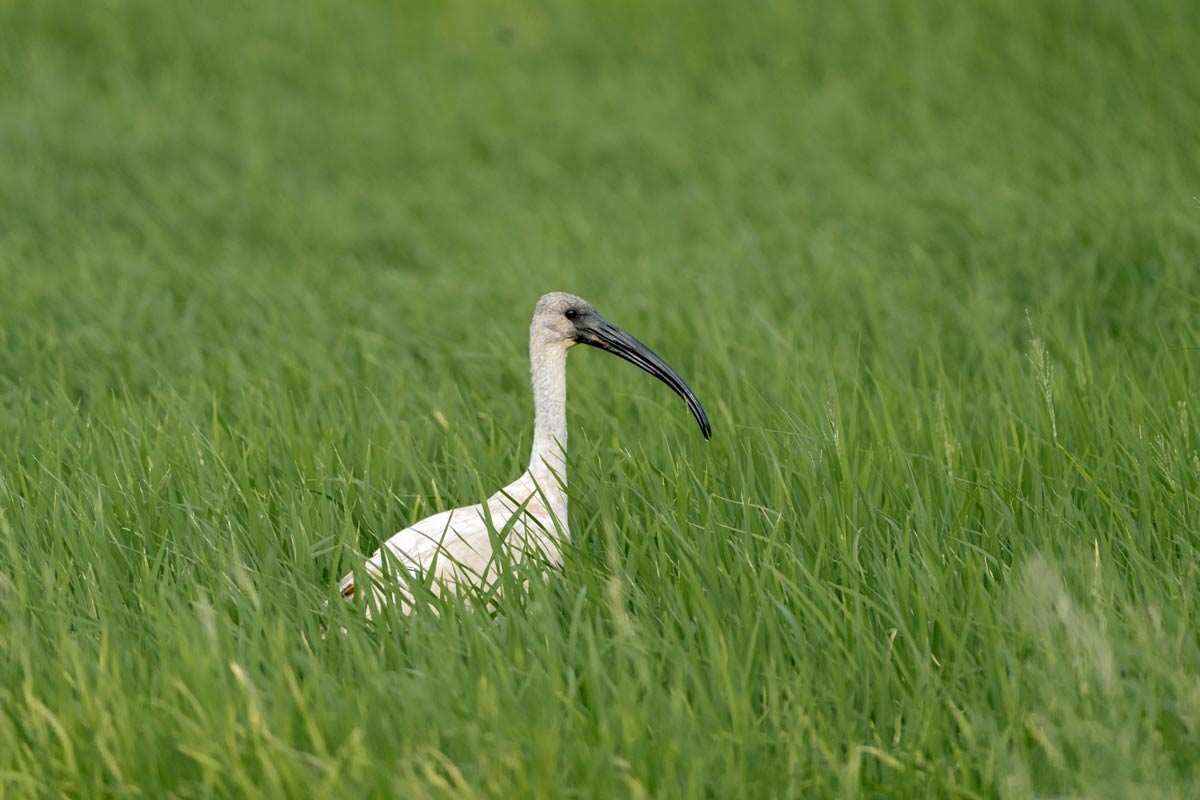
(595, 330)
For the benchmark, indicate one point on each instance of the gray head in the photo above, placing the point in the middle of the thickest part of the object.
(555, 316)
(566, 320)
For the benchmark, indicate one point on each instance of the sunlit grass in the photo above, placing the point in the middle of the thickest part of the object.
(265, 281)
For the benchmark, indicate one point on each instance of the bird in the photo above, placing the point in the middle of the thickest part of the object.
(528, 516)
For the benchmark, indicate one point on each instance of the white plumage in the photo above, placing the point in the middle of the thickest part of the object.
(530, 514)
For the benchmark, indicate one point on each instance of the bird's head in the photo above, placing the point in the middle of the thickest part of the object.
(557, 317)
(564, 320)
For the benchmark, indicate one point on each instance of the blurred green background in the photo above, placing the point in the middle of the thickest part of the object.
(266, 272)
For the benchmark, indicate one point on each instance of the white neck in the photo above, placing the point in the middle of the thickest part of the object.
(548, 369)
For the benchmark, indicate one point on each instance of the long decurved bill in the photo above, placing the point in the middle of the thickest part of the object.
(599, 332)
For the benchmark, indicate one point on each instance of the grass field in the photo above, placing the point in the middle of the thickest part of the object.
(266, 272)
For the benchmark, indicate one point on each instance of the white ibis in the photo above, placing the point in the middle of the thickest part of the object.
(530, 514)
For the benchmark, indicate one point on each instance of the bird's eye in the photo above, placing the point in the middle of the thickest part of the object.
(570, 313)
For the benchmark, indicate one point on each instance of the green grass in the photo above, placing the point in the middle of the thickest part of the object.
(266, 272)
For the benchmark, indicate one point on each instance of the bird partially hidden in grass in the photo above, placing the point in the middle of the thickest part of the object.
(530, 514)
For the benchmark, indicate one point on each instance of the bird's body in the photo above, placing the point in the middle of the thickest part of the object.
(529, 516)
(458, 545)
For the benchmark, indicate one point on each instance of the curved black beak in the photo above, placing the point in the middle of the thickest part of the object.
(599, 332)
